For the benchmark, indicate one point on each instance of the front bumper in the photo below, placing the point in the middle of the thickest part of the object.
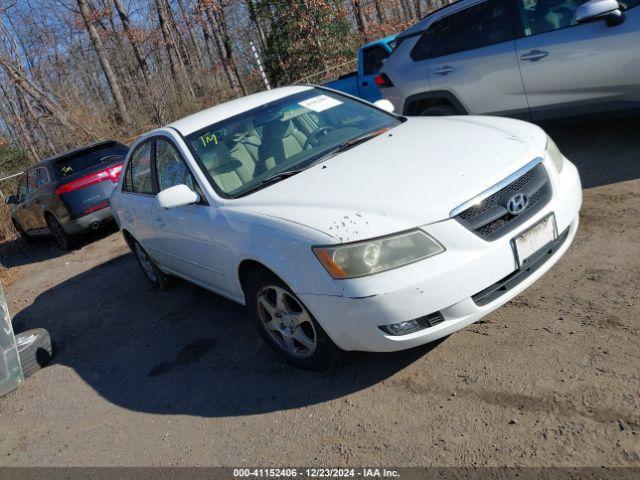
(446, 283)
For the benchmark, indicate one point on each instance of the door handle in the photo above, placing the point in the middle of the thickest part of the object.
(365, 84)
(534, 55)
(445, 70)
(159, 222)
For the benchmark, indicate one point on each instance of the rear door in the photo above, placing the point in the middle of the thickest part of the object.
(372, 60)
(471, 53)
(30, 205)
(183, 239)
(570, 68)
(22, 214)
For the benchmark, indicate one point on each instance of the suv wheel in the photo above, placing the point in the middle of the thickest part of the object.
(156, 276)
(439, 111)
(64, 240)
(23, 235)
(286, 325)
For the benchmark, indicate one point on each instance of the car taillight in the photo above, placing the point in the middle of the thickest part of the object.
(383, 80)
(111, 173)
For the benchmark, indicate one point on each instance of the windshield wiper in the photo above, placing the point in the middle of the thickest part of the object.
(347, 144)
(275, 178)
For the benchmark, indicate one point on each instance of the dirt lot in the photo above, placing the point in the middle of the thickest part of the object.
(180, 378)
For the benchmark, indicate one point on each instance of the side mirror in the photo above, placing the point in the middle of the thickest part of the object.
(11, 200)
(385, 105)
(177, 196)
(600, 9)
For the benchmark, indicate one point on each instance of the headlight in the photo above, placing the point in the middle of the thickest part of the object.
(377, 255)
(554, 154)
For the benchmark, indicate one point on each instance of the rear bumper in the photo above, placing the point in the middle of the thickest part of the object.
(87, 222)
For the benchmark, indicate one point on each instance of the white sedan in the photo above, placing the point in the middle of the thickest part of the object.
(343, 226)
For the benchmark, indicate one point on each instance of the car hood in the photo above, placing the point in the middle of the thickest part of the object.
(411, 176)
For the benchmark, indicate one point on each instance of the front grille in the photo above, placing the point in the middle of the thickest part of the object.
(491, 219)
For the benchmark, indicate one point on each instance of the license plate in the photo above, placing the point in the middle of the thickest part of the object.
(533, 240)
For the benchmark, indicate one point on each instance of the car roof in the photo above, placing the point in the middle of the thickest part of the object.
(435, 15)
(73, 152)
(200, 120)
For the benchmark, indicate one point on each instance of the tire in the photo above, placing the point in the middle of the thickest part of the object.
(23, 235)
(151, 271)
(62, 238)
(34, 349)
(439, 111)
(283, 323)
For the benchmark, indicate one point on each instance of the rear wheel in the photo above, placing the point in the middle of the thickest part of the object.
(23, 235)
(441, 110)
(64, 240)
(156, 276)
(286, 325)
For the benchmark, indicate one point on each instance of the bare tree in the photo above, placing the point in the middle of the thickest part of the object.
(109, 74)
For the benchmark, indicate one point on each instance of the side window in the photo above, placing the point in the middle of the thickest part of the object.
(138, 175)
(540, 16)
(43, 177)
(485, 24)
(23, 188)
(433, 43)
(170, 167)
(32, 181)
(373, 59)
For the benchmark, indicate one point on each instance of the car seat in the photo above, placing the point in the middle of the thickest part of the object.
(280, 141)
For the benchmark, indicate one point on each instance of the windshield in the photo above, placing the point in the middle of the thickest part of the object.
(240, 153)
(89, 158)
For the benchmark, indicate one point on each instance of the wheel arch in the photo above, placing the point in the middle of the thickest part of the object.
(249, 265)
(415, 104)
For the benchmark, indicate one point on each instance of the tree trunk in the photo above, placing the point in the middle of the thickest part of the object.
(104, 62)
(380, 10)
(128, 30)
(361, 18)
(23, 83)
(175, 64)
(253, 15)
(195, 45)
(223, 42)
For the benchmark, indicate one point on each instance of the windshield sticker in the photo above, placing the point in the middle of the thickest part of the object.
(207, 139)
(320, 103)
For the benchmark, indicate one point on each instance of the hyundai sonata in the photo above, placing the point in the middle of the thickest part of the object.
(343, 226)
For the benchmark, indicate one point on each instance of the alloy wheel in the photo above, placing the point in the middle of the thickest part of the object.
(287, 321)
(146, 263)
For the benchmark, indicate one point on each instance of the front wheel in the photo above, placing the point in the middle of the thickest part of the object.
(23, 235)
(286, 325)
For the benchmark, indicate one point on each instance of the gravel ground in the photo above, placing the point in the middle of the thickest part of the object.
(180, 378)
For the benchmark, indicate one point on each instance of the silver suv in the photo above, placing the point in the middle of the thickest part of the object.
(530, 59)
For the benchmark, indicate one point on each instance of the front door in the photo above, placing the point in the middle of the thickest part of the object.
(183, 240)
(570, 68)
(472, 55)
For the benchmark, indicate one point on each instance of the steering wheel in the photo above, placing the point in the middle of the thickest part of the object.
(312, 140)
